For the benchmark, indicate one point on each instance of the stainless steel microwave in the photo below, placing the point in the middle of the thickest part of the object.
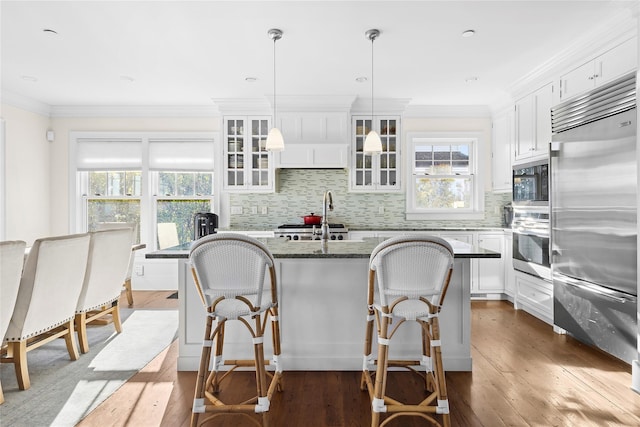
(531, 184)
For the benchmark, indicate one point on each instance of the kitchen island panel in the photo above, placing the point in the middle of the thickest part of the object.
(323, 318)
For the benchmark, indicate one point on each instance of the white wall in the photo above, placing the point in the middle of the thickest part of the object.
(28, 168)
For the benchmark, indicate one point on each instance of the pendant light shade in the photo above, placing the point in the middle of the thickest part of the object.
(275, 141)
(372, 143)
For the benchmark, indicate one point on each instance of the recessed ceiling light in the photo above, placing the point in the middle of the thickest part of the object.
(469, 33)
(471, 79)
(50, 31)
(127, 79)
(361, 79)
(250, 79)
(29, 79)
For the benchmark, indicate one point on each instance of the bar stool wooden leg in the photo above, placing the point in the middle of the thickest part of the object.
(198, 399)
(378, 401)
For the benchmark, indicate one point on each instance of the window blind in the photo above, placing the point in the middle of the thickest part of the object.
(98, 154)
(181, 154)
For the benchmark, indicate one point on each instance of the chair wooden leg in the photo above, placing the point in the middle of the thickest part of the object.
(1, 395)
(81, 325)
(115, 315)
(19, 351)
(128, 292)
(70, 340)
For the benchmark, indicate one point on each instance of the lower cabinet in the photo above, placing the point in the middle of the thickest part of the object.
(535, 296)
(489, 275)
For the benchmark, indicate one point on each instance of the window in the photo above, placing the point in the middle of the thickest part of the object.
(442, 178)
(113, 196)
(144, 178)
(180, 195)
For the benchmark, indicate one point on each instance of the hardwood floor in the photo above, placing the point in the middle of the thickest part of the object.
(523, 375)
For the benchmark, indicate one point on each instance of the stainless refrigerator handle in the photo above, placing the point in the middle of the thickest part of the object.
(594, 289)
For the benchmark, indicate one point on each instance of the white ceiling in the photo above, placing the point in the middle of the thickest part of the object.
(186, 53)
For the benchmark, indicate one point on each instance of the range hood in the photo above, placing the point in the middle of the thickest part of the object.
(313, 156)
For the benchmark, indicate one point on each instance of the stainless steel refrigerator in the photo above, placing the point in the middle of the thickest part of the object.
(593, 217)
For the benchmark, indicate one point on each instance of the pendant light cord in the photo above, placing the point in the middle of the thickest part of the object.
(274, 82)
(372, 40)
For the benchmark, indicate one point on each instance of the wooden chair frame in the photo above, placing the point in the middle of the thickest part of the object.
(207, 405)
(432, 373)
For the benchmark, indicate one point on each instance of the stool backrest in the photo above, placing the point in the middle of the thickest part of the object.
(412, 266)
(230, 265)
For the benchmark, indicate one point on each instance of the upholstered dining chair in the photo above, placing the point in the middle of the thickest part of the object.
(412, 275)
(229, 271)
(49, 289)
(134, 247)
(11, 263)
(167, 235)
(109, 253)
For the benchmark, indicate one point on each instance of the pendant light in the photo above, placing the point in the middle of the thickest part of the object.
(275, 141)
(372, 143)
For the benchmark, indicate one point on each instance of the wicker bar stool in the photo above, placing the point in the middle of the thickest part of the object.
(229, 271)
(412, 275)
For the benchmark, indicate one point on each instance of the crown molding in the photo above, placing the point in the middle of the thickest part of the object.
(447, 111)
(382, 105)
(25, 103)
(623, 26)
(313, 103)
(133, 111)
(243, 106)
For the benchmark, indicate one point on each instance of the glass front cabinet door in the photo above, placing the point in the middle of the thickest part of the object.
(247, 163)
(376, 172)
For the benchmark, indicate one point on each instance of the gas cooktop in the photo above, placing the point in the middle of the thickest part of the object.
(290, 226)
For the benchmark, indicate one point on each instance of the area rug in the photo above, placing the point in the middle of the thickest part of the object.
(63, 391)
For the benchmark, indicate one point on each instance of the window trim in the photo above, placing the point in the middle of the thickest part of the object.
(475, 139)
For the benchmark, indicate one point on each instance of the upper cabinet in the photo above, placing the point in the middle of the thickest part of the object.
(604, 68)
(533, 124)
(377, 173)
(502, 151)
(313, 140)
(247, 164)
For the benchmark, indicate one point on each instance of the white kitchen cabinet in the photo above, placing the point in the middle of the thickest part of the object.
(377, 173)
(602, 69)
(535, 296)
(314, 127)
(312, 156)
(509, 273)
(533, 124)
(502, 152)
(489, 274)
(248, 166)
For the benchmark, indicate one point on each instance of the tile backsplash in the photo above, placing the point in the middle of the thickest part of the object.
(300, 193)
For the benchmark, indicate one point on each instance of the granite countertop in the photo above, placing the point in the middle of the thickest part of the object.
(283, 248)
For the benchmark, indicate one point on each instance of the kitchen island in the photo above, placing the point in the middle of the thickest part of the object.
(322, 296)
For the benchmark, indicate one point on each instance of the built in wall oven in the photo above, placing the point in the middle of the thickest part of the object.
(530, 228)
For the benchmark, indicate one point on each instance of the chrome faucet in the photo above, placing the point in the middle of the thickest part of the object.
(325, 221)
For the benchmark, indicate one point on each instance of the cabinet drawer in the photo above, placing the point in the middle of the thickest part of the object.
(535, 297)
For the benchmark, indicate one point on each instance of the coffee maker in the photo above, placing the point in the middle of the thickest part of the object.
(204, 223)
